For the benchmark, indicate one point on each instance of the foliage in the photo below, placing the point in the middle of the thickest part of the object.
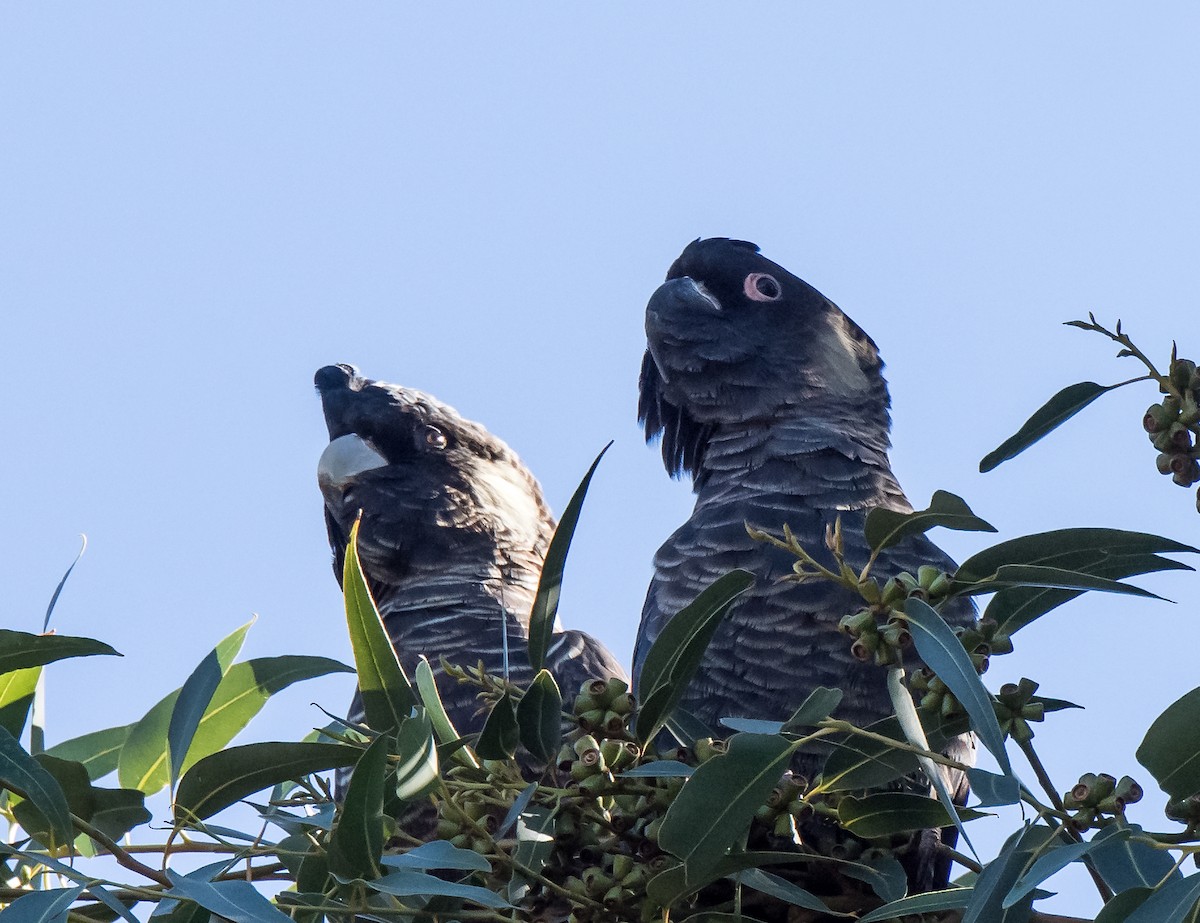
(585, 805)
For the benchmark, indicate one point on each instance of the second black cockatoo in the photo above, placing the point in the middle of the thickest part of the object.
(774, 402)
(453, 534)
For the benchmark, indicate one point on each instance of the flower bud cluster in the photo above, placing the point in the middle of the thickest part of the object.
(1096, 795)
(1015, 708)
(1173, 425)
(785, 806)
(604, 708)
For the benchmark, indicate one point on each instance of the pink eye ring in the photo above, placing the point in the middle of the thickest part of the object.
(759, 286)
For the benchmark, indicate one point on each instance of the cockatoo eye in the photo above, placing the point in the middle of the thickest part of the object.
(435, 437)
(761, 287)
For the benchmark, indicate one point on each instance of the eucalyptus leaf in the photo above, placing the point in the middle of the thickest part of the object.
(1174, 902)
(930, 902)
(540, 717)
(238, 901)
(999, 875)
(1049, 863)
(438, 854)
(20, 650)
(783, 890)
(443, 727)
(888, 813)
(717, 803)
(417, 765)
(993, 790)
(387, 695)
(43, 906)
(676, 652)
(409, 883)
(1124, 862)
(816, 707)
(356, 845)
(1171, 747)
(545, 603)
(226, 777)
(41, 790)
(1051, 415)
(97, 751)
(885, 527)
(943, 653)
(16, 698)
(500, 735)
(195, 696)
(660, 769)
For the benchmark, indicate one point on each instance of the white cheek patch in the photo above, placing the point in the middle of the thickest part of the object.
(511, 498)
(344, 459)
(838, 357)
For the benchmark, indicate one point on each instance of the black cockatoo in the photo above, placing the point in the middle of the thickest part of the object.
(454, 530)
(773, 400)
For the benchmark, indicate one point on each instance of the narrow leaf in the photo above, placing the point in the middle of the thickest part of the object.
(417, 766)
(818, 706)
(884, 528)
(753, 725)
(238, 901)
(1125, 862)
(1049, 863)
(116, 811)
(895, 812)
(443, 727)
(499, 737)
(1026, 575)
(20, 650)
(545, 604)
(239, 697)
(98, 751)
(993, 790)
(857, 762)
(16, 698)
(1066, 548)
(676, 653)
(62, 583)
(42, 906)
(670, 885)
(1056, 411)
(1122, 905)
(1171, 748)
(356, 844)
(944, 654)
(408, 883)
(514, 813)
(782, 889)
(226, 777)
(999, 875)
(388, 698)
(29, 778)
(1172, 903)
(660, 769)
(716, 804)
(438, 854)
(931, 902)
(540, 717)
(196, 694)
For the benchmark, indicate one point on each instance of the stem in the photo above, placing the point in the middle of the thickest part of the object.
(124, 859)
(1043, 778)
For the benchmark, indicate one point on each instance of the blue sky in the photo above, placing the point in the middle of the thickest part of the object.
(200, 205)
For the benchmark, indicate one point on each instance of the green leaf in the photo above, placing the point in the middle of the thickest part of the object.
(43, 906)
(226, 777)
(1172, 903)
(931, 902)
(240, 696)
(999, 875)
(716, 916)
(387, 696)
(993, 790)
(1055, 412)
(545, 603)
(944, 654)
(1122, 905)
(857, 762)
(356, 844)
(417, 767)
(780, 888)
(62, 583)
(1026, 575)
(499, 737)
(1125, 862)
(443, 727)
(1049, 863)
(407, 883)
(540, 718)
(196, 694)
(116, 811)
(238, 901)
(660, 769)
(1015, 607)
(520, 803)
(20, 650)
(676, 653)
(716, 804)
(895, 812)
(818, 706)
(1065, 548)
(535, 837)
(753, 725)
(1171, 748)
(439, 854)
(16, 698)
(73, 781)
(884, 528)
(97, 751)
(29, 778)
(670, 885)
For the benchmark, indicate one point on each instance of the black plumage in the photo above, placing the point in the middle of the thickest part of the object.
(453, 534)
(774, 402)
